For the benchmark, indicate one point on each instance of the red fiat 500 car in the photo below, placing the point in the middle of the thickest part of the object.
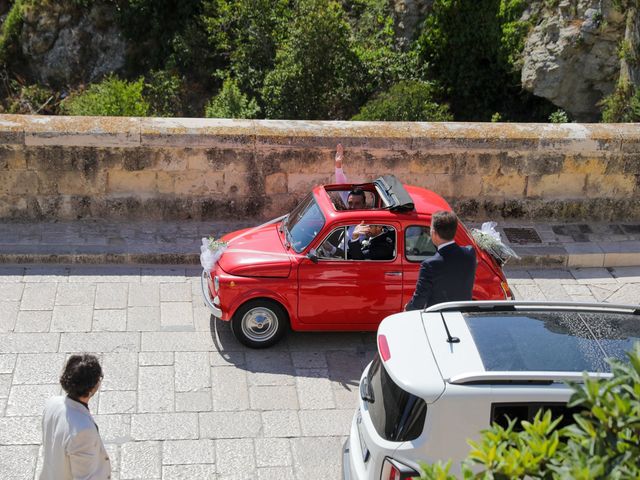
(297, 271)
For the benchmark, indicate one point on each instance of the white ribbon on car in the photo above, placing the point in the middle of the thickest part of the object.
(209, 256)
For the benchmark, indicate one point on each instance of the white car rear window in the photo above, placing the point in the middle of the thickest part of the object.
(552, 341)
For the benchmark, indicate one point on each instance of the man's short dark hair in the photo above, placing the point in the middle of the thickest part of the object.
(81, 374)
(445, 224)
(358, 192)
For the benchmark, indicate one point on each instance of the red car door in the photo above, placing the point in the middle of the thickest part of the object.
(349, 294)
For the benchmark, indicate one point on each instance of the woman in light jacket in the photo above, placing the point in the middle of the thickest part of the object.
(73, 449)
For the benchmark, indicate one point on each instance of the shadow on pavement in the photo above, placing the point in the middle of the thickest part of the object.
(338, 356)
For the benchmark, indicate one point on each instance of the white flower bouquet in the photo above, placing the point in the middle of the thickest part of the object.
(210, 252)
(488, 239)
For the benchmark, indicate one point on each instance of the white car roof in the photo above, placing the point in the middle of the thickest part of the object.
(505, 342)
(411, 363)
(453, 358)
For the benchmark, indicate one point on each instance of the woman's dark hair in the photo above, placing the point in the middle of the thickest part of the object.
(81, 374)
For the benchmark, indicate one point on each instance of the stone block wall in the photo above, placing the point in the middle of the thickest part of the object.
(64, 168)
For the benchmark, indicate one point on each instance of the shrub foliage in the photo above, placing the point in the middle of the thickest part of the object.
(231, 103)
(111, 97)
(10, 31)
(163, 90)
(622, 105)
(603, 442)
(408, 100)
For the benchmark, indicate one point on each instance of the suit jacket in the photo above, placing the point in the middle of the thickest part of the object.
(72, 445)
(447, 276)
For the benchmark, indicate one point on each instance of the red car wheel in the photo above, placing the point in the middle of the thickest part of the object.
(259, 323)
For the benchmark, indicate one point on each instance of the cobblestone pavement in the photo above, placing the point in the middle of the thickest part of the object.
(179, 402)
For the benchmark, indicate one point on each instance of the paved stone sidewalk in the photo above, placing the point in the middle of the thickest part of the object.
(552, 244)
(179, 402)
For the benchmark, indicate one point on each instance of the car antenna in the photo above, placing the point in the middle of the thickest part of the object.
(450, 339)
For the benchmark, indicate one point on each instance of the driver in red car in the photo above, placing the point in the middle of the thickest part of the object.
(378, 243)
(369, 242)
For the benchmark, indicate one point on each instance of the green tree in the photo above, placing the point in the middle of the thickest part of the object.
(10, 31)
(316, 75)
(602, 443)
(377, 47)
(163, 91)
(409, 100)
(247, 33)
(169, 34)
(230, 102)
(112, 96)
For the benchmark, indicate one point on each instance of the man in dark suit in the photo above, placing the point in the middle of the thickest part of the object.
(448, 275)
(369, 242)
(378, 243)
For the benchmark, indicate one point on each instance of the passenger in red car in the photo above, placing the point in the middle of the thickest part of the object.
(355, 199)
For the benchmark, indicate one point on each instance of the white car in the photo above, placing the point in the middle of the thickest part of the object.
(444, 374)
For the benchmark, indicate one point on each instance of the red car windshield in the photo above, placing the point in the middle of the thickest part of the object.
(304, 223)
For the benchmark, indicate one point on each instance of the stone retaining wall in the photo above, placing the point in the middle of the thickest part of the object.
(151, 168)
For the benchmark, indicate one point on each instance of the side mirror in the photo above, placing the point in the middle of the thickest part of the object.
(313, 255)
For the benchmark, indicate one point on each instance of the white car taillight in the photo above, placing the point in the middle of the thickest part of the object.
(394, 470)
(383, 348)
(216, 284)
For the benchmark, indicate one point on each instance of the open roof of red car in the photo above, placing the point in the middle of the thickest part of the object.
(395, 196)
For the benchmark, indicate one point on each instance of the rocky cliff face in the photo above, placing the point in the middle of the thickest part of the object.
(63, 45)
(571, 55)
(409, 14)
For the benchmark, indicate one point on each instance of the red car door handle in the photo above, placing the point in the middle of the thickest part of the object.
(393, 274)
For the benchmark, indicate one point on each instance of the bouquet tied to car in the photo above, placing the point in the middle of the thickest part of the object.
(210, 252)
(488, 239)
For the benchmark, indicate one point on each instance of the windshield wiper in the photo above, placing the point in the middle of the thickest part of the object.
(287, 233)
(283, 224)
(288, 236)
